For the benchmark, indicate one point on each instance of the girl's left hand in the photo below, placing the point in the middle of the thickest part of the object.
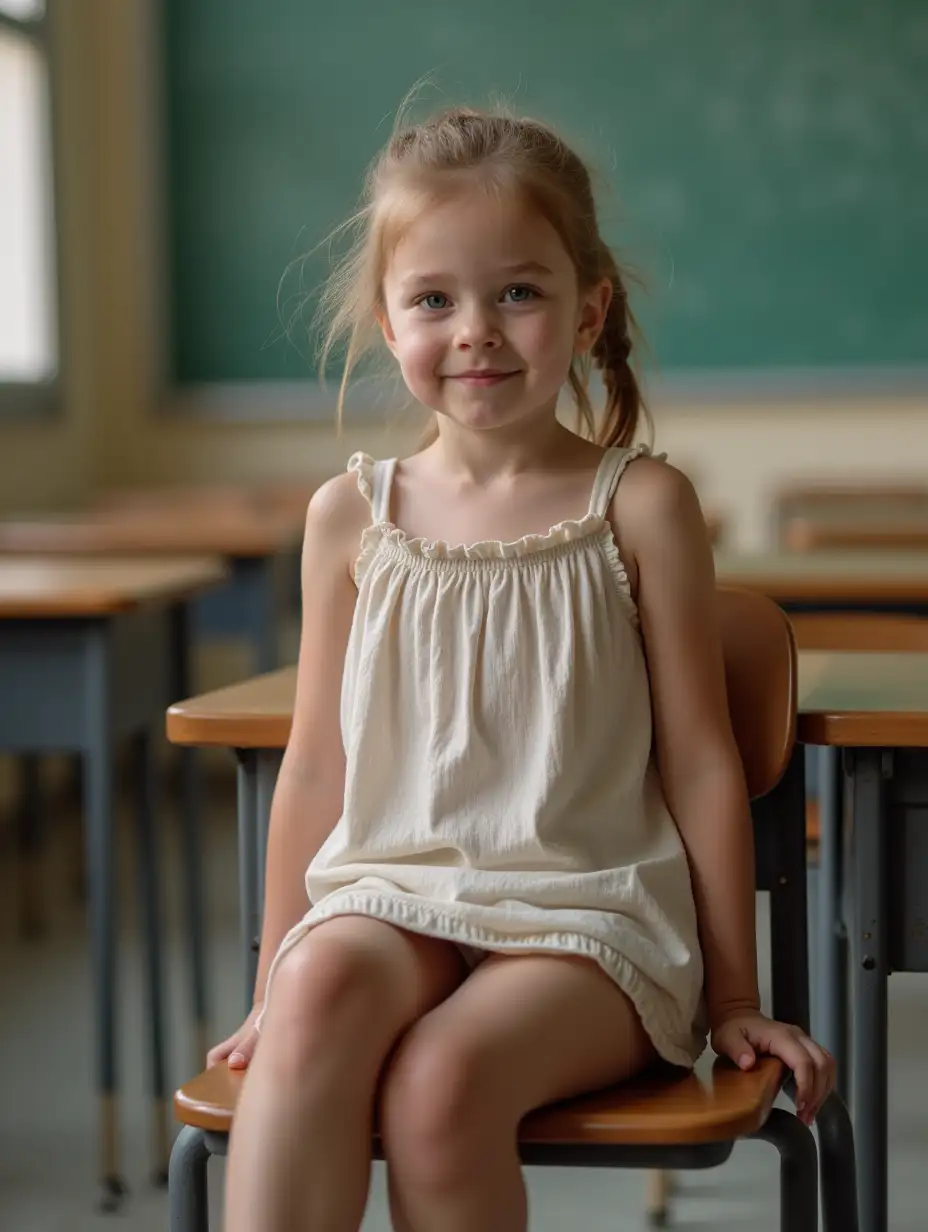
(744, 1035)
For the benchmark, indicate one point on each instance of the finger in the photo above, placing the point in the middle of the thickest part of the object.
(241, 1056)
(792, 1053)
(734, 1044)
(220, 1052)
(825, 1073)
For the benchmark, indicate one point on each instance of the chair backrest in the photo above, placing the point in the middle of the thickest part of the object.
(761, 679)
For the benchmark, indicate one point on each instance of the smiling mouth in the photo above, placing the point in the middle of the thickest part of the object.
(480, 379)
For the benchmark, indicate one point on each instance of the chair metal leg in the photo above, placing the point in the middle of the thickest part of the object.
(187, 1192)
(837, 1167)
(798, 1170)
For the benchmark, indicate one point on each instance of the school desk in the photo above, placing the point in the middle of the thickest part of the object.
(87, 658)
(892, 527)
(874, 709)
(851, 503)
(258, 543)
(850, 581)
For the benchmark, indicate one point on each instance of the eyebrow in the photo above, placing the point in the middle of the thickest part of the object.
(509, 271)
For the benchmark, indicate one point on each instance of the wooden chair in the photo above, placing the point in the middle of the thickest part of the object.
(666, 1118)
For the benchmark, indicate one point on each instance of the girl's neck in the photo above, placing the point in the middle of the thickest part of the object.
(481, 457)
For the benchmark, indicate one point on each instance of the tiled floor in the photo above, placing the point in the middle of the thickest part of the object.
(47, 1114)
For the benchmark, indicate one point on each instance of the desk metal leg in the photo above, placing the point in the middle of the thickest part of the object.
(247, 867)
(33, 906)
(871, 971)
(258, 576)
(257, 777)
(268, 767)
(100, 839)
(149, 866)
(192, 837)
(831, 1026)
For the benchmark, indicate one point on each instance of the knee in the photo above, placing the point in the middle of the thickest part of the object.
(438, 1115)
(321, 997)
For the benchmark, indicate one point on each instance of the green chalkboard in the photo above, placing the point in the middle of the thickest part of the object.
(768, 162)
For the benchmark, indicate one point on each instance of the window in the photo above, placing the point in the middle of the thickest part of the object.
(28, 275)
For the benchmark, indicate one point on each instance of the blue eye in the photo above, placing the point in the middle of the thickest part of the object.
(519, 294)
(435, 301)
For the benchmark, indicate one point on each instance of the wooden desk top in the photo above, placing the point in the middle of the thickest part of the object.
(42, 587)
(829, 577)
(853, 699)
(264, 499)
(254, 714)
(844, 699)
(898, 524)
(222, 529)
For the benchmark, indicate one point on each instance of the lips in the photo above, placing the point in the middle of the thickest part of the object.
(485, 376)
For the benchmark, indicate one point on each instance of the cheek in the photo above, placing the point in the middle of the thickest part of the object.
(418, 350)
(552, 340)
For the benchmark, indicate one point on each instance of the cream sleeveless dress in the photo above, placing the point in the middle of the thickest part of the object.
(500, 790)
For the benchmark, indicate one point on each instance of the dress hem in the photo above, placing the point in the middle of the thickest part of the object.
(432, 921)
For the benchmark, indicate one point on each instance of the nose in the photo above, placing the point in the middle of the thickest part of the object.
(477, 330)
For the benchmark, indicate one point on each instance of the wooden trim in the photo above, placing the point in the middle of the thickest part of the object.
(42, 588)
(814, 535)
(865, 728)
(255, 714)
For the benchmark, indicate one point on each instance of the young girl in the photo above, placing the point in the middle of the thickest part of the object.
(511, 774)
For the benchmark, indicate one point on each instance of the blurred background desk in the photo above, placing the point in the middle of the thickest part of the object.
(86, 661)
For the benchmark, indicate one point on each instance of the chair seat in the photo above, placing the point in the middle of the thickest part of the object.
(662, 1107)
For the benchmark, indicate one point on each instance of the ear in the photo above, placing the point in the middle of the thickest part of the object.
(591, 315)
(386, 329)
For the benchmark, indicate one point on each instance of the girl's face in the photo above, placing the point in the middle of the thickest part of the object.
(483, 311)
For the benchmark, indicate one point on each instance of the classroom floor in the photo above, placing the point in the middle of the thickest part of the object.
(47, 1113)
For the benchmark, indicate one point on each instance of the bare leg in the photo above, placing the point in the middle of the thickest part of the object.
(300, 1149)
(520, 1032)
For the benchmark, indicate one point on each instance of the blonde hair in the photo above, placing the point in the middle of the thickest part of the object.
(430, 159)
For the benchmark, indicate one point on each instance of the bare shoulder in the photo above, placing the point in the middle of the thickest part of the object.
(656, 505)
(653, 488)
(336, 518)
(338, 507)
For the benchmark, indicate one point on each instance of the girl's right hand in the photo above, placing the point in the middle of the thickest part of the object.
(239, 1048)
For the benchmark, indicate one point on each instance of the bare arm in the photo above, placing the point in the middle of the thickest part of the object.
(310, 787)
(664, 536)
(697, 757)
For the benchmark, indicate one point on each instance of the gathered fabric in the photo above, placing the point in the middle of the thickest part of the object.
(500, 790)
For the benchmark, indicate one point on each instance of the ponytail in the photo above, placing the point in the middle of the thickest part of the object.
(612, 356)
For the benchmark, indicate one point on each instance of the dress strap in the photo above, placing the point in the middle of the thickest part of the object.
(382, 486)
(611, 469)
(375, 482)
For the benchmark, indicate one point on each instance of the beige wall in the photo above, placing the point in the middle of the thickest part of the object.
(113, 433)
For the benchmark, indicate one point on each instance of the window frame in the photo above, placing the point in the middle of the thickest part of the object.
(29, 401)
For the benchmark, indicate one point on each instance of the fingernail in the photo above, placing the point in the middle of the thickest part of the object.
(237, 1058)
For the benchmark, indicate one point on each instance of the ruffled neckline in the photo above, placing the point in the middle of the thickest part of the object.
(387, 534)
(486, 549)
